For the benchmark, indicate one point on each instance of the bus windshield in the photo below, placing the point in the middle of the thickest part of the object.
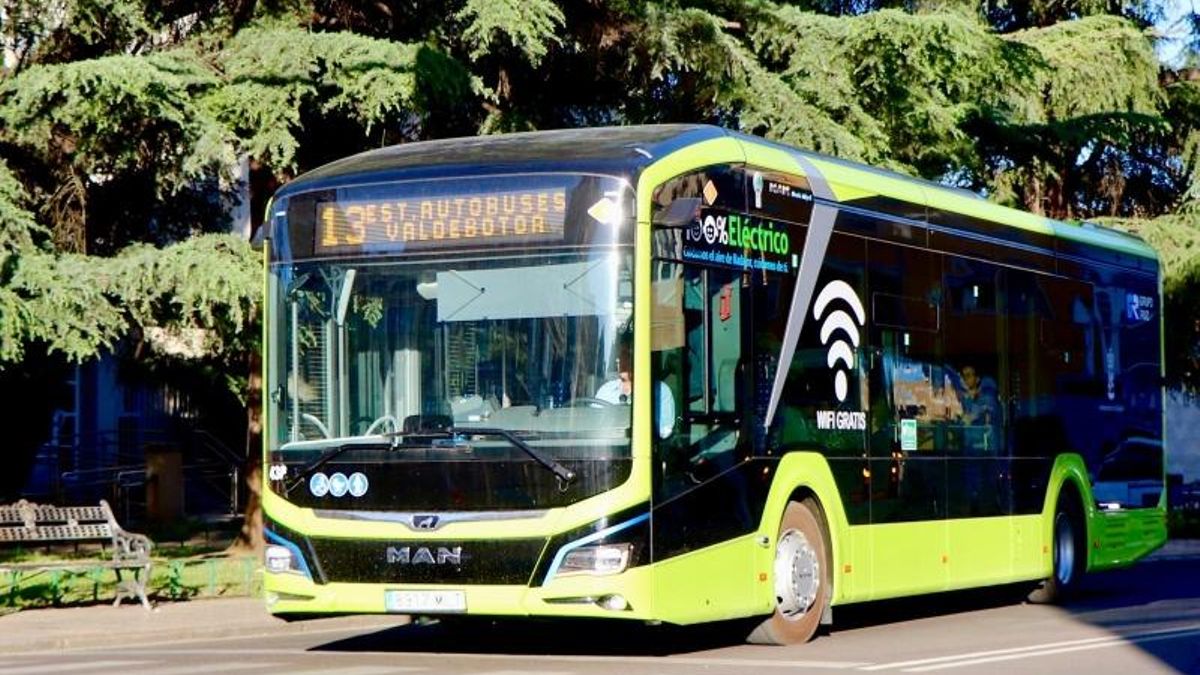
(388, 356)
(522, 343)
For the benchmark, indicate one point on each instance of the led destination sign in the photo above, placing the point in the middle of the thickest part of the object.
(502, 217)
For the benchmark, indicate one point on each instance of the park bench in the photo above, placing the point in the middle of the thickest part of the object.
(34, 524)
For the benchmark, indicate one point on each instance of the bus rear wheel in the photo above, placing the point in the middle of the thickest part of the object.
(800, 576)
(1069, 551)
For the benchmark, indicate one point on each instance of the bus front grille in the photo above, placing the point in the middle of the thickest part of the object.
(487, 562)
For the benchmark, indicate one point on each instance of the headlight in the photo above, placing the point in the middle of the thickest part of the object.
(282, 556)
(602, 559)
(279, 559)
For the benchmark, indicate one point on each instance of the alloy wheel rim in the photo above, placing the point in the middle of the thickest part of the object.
(797, 575)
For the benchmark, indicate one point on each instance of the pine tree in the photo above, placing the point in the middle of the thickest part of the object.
(121, 123)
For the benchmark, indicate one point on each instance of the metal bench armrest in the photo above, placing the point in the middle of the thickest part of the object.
(127, 546)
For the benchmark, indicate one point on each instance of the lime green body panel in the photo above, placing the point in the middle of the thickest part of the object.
(1115, 538)
(875, 562)
(908, 558)
(982, 551)
(713, 583)
(1121, 538)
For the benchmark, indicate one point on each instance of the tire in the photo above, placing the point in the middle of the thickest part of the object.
(801, 578)
(1070, 554)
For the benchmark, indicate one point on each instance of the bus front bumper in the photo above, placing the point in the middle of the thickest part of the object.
(619, 596)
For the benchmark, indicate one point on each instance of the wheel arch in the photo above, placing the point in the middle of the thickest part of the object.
(1069, 479)
(806, 475)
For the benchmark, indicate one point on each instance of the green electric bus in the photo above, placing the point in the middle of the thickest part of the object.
(680, 374)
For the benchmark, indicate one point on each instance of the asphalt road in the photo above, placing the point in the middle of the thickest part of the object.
(1142, 620)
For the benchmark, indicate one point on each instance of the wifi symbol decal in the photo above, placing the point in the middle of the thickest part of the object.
(838, 322)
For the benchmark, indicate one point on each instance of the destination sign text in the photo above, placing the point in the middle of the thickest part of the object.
(520, 216)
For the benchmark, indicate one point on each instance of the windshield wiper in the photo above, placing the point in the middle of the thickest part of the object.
(562, 473)
(393, 440)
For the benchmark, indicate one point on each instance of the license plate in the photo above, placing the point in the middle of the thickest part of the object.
(425, 601)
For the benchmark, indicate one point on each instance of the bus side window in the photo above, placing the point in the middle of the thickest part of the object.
(976, 362)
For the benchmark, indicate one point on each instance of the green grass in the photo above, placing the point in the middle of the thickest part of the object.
(178, 578)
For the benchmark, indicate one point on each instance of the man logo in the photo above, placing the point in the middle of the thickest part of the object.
(840, 323)
(425, 522)
(421, 555)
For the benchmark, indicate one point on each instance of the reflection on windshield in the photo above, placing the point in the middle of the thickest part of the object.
(519, 343)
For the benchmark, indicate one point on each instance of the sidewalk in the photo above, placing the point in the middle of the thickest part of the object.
(107, 626)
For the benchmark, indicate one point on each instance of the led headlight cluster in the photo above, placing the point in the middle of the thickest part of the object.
(608, 551)
(598, 559)
(279, 559)
(282, 556)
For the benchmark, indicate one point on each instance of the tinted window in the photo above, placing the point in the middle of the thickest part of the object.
(911, 392)
(975, 364)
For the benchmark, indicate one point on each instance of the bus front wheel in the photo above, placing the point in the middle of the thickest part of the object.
(1069, 551)
(800, 576)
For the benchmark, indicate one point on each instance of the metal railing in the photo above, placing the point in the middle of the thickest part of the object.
(102, 465)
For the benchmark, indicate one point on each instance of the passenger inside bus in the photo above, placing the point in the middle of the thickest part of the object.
(979, 398)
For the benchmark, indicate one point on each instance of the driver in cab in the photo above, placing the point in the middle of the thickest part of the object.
(619, 390)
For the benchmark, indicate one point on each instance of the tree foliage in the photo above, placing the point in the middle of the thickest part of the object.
(126, 125)
(125, 119)
(18, 233)
(528, 26)
(81, 305)
(276, 80)
(92, 131)
(906, 84)
(177, 287)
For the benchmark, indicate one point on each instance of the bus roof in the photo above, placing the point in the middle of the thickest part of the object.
(626, 151)
(617, 151)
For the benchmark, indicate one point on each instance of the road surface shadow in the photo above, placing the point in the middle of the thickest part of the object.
(1156, 595)
(470, 635)
(1150, 595)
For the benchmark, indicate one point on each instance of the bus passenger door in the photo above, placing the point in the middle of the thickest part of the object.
(702, 503)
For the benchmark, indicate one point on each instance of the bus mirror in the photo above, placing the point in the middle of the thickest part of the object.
(679, 213)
